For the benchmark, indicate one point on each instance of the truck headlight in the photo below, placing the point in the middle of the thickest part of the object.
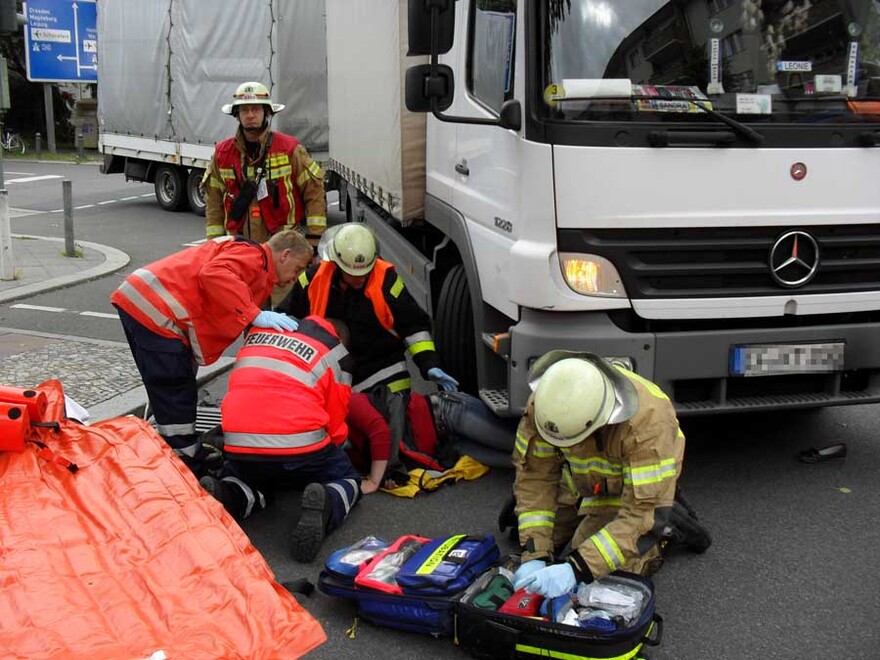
(591, 275)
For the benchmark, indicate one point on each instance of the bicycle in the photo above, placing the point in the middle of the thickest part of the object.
(12, 142)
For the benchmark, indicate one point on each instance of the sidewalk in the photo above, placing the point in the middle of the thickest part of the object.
(100, 375)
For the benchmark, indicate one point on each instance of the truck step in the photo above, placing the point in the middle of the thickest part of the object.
(497, 401)
(207, 417)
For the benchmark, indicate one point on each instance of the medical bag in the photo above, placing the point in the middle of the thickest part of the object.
(456, 587)
(592, 629)
(414, 584)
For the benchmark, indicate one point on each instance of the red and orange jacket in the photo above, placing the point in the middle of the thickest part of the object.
(294, 181)
(205, 295)
(288, 393)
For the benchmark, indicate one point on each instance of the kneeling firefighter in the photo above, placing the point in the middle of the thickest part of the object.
(283, 421)
(598, 454)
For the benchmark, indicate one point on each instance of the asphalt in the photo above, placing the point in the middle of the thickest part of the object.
(99, 375)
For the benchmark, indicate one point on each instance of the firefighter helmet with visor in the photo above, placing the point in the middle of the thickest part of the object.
(354, 249)
(576, 396)
(252, 93)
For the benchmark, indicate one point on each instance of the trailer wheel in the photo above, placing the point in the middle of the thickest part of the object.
(194, 196)
(454, 330)
(170, 187)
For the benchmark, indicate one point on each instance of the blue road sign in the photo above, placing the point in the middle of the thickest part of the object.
(61, 40)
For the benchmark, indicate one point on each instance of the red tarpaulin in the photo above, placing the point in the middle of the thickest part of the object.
(128, 557)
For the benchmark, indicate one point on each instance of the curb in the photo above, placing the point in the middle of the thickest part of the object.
(113, 260)
(134, 401)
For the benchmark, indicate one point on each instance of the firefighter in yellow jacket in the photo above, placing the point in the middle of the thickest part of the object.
(261, 181)
(598, 454)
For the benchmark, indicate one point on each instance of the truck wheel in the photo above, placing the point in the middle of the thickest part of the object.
(197, 203)
(170, 187)
(454, 330)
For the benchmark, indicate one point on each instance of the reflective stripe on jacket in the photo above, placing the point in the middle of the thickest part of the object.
(205, 295)
(288, 393)
(624, 473)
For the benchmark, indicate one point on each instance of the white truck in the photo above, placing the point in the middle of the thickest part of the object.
(688, 186)
(166, 67)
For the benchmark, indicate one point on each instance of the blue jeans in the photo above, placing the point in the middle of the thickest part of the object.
(473, 429)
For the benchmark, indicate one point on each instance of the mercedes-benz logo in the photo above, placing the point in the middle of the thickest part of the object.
(794, 259)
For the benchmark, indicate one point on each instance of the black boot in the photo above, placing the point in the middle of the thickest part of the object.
(685, 531)
(239, 499)
(308, 535)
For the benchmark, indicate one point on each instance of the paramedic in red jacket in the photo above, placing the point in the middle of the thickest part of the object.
(186, 309)
(364, 291)
(283, 420)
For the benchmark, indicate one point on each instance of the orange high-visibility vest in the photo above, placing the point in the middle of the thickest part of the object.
(319, 291)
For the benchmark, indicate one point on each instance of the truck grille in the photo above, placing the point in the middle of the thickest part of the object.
(728, 261)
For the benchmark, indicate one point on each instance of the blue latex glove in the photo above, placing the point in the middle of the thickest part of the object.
(276, 321)
(526, 571)
(553, 581)
(443, 379)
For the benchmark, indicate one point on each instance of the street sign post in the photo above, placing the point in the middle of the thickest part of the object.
(61, 40)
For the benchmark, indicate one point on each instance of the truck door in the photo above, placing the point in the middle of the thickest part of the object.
(487, 169)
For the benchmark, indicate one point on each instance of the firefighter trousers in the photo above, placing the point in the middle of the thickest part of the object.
(329, 466)
(168, 371)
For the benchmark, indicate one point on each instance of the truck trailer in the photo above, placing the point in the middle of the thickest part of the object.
(166, 67)
(687, 187)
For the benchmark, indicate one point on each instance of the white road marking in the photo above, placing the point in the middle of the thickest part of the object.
(62, 310)
(28, 179)
(100, 315)
(16, 213)
(20, 173)
(38, 308)
(147, 195)
(195, 243)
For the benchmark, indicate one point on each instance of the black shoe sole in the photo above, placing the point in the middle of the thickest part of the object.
(308, 535)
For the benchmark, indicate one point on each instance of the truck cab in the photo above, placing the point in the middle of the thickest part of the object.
(688, 187)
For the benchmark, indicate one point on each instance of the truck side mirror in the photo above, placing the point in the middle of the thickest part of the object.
(422, 87)
(420, 20)
(511, 115)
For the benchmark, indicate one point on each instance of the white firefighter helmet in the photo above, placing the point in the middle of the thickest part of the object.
(577, 394)
(353, 249)
(252, 93)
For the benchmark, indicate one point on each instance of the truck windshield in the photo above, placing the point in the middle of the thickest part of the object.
(765, 61)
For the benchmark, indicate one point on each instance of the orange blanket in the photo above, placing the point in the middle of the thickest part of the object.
(128, 557)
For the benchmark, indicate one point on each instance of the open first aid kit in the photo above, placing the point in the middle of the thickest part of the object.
(455, 587)
(412, 583)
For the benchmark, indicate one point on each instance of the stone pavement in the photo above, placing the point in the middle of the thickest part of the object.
(100, 375)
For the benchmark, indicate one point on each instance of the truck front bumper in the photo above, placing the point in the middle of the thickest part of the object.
(694, 367)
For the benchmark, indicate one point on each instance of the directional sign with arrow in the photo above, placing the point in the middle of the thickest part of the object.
(61, 41)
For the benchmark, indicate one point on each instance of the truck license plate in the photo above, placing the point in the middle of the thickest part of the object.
(780, 359)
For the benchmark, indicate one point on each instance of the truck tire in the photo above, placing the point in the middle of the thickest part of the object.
(170, 188)
(454, 330)
(197, 202)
